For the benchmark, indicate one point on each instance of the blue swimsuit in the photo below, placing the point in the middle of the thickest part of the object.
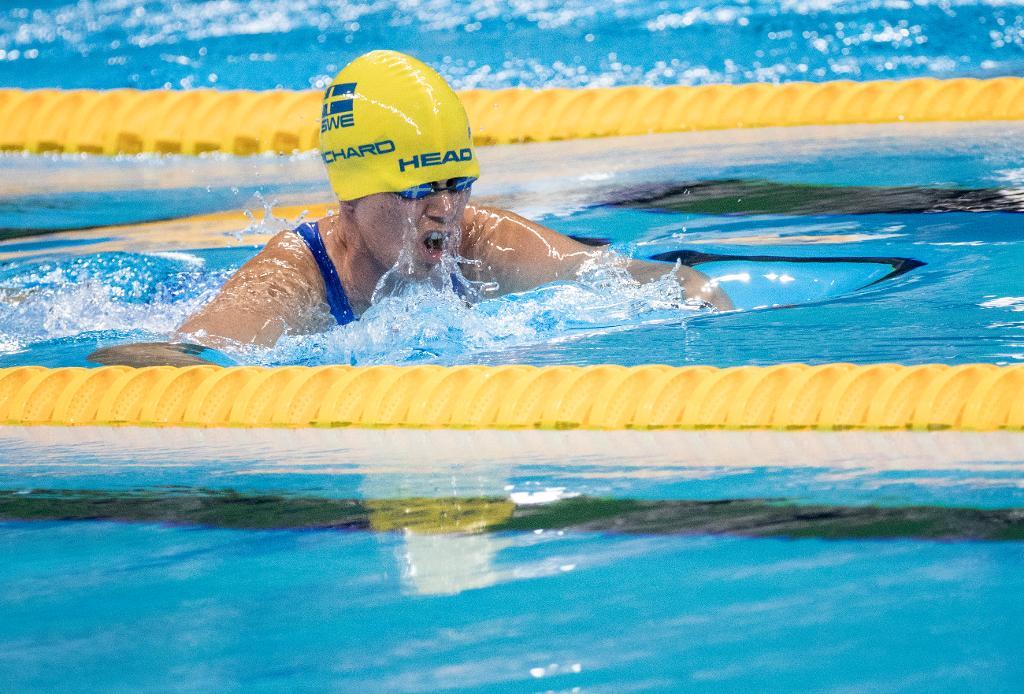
(337, 299)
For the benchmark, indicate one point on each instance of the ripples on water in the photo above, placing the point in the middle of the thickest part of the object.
(263, 44)
(422, 560)
(945, 195)
(188, 597)
(50, 308)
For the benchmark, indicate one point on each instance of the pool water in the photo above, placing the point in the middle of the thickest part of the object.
(262, 44)
(434, 571)
(384, 560)
(417, 561)
(944, 197)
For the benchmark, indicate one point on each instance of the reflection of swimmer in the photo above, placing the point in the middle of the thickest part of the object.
(398, 151)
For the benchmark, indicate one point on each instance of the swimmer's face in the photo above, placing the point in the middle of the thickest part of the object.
(429, 227)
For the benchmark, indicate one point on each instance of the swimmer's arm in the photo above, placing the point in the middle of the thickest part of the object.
(141, 354)
(265, 298)
(696, 285)
(269, 296)
(518, 255)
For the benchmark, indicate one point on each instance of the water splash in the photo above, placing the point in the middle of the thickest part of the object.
(427, 324)
(122, 297)
(300, 44)
(110, 296)
(269, 224)
(408, 272)
(430, 313)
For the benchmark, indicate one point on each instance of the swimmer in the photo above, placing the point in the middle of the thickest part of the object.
(396, 143)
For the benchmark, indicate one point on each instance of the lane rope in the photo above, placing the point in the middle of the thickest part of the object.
(970, 397)
(977, 397)
(126, 121)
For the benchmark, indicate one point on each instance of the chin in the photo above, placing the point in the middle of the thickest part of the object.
(420, 268)
(428, 259)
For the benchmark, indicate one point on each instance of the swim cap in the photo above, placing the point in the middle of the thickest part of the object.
(389, 122)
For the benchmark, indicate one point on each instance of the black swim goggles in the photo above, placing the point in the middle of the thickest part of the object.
(453, 185)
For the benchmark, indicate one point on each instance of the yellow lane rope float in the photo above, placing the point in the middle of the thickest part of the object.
(972, 397)
(977, 397)
(125, 121)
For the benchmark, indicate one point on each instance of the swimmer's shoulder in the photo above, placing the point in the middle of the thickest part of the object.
(485, 227)
(274, 292)
(506, 230)
(285, 245)
(283, 266)
(483, 230)
(515, 252)
(481, 219)
(286, 253)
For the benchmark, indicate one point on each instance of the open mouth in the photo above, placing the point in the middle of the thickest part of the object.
(434, 242)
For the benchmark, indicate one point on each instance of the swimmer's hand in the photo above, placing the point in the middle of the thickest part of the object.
(157, 354)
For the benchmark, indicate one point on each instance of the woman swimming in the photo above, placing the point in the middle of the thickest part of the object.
(396, 143)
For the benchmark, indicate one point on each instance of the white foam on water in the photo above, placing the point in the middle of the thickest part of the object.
(53, 301)
(425, 323)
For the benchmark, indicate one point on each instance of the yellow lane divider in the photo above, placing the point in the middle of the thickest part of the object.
(976, 397)
(126, 121)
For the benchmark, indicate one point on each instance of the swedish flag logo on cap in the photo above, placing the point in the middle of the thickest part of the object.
(337, 109)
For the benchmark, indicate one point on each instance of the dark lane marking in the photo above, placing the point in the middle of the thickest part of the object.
(747, 197)
(899, 266)
(734, 517)
(716, 197)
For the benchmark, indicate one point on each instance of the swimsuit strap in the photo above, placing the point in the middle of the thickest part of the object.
(337, 299)
(459, 285)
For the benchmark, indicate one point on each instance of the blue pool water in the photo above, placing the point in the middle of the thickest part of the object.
(260, 44)
(180, 605)
(226, 599)
(234, 610)
(73, 292)
(527, 561)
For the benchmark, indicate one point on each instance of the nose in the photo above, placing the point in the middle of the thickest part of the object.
(441, 206)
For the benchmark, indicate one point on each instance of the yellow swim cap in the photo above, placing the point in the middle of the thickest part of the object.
(389, 122)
